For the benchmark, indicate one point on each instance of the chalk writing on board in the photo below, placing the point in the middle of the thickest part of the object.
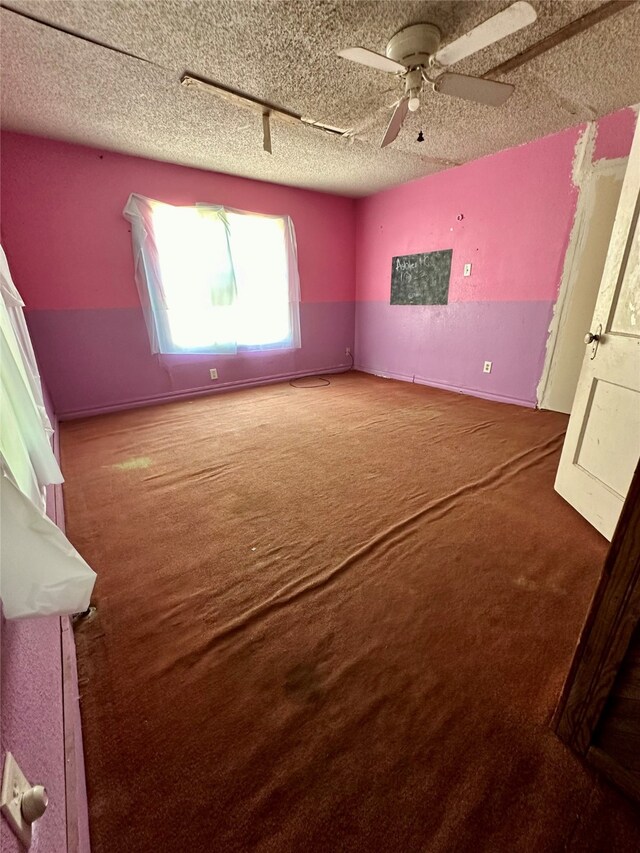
(421, 279)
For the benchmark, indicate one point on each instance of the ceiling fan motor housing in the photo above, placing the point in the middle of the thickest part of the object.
(414, 45)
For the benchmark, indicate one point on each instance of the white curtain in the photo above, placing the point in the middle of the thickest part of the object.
(212, 279)
(40, 572)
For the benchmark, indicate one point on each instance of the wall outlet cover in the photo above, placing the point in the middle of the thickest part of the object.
(213, 373)
(488, 365)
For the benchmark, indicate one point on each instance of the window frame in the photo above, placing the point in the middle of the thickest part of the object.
(147, 273)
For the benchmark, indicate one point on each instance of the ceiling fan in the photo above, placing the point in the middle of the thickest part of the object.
(415, 55)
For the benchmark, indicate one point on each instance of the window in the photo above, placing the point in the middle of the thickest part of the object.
(215, 280)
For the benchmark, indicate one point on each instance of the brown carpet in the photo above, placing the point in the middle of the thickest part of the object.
(332, 620)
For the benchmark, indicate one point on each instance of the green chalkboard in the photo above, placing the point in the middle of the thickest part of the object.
(421, 279)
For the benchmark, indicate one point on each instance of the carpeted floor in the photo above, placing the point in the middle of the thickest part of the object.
(332, 620)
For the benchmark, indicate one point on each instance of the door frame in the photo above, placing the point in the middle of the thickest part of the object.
(585, 175)
(613, 616)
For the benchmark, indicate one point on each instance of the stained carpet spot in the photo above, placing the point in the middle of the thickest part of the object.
(526, 583)
(133, 463)
(303, 683)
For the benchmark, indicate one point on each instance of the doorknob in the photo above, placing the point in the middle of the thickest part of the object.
(594, 338)
(34, 803)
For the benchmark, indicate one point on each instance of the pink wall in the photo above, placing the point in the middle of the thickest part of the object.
(615, 134)
(496, 213)
(509, 215)
(70, 252)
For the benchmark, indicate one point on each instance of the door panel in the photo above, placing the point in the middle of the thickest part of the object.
(602, 445)
(603, 450)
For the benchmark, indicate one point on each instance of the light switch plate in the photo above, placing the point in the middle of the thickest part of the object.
(14, 784)
(467, 270)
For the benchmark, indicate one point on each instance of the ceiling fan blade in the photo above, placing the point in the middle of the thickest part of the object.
(509, 21)
(474, 89)
(372, 59)
(397, 120)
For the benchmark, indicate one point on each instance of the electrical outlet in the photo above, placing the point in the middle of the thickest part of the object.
(213, 373)
(467, 270)
(347, 351)
(487, 367)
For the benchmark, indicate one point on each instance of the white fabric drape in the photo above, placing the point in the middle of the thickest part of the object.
(40, 572)
(231, 284)
(25, 429)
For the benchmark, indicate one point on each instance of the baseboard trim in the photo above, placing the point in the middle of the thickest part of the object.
(456, 389)
(77, 809)
(201, 391)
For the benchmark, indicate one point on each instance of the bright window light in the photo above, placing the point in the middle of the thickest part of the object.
(224, 278)
(260, 262)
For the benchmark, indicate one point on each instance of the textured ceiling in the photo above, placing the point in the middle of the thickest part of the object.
(58, 86)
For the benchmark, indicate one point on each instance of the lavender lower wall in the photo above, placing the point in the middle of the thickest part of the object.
(97, 359)
(446, 345)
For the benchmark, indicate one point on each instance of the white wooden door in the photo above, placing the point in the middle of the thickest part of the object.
(602, 445)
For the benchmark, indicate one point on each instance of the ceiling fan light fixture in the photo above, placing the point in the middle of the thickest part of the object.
(416, 48)
(414, 100)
